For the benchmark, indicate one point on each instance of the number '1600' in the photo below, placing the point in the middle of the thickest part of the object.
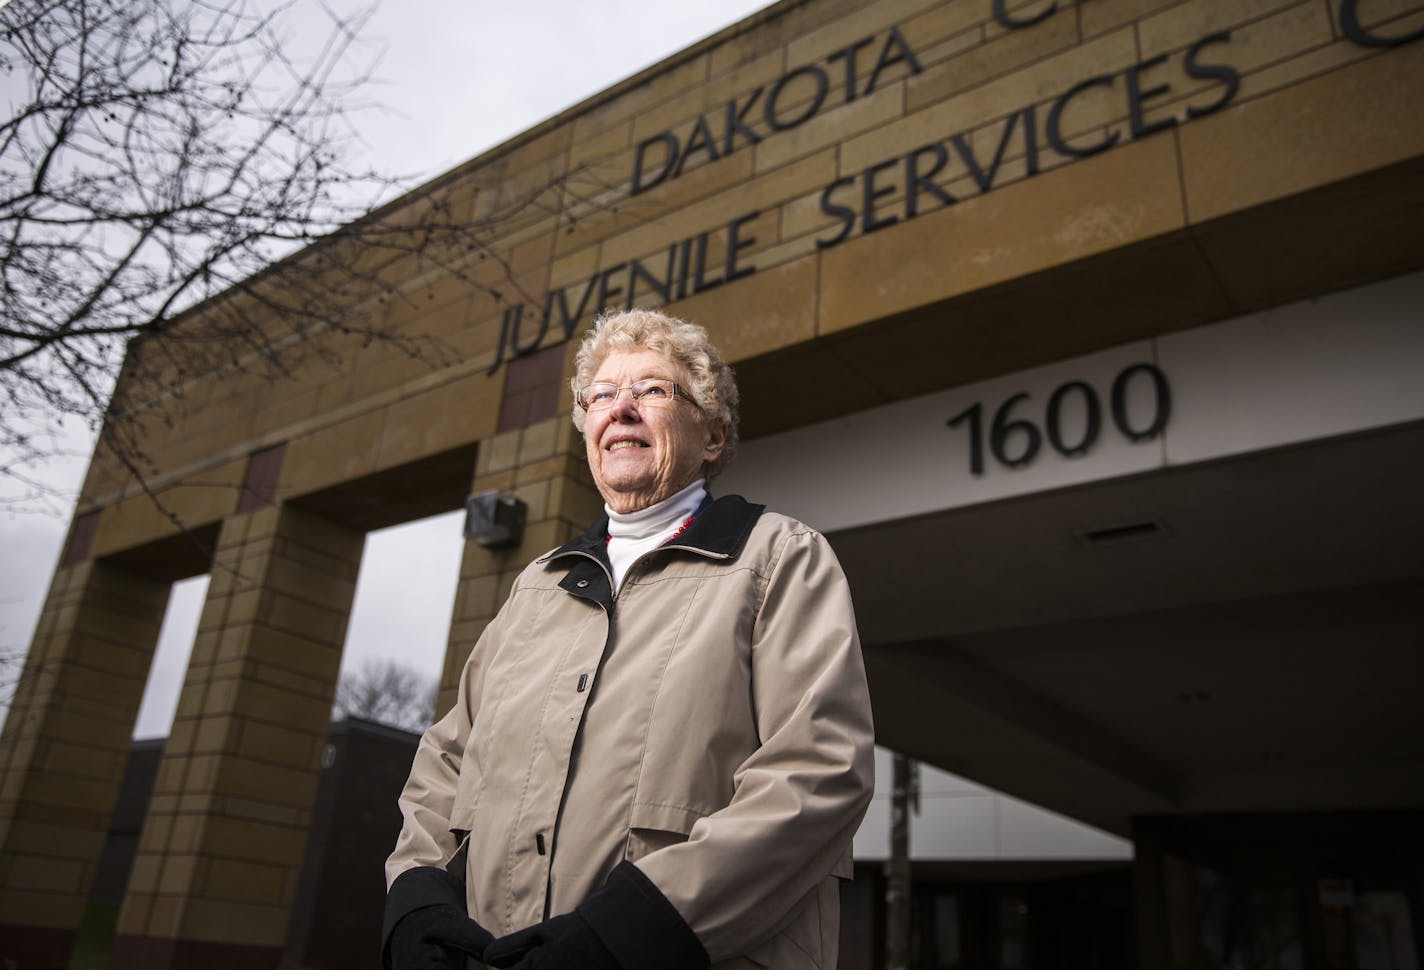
(1014, 441)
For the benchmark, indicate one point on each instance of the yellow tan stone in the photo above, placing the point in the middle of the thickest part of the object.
(263, 810)
(575, 267)
(311, 583)
(1044, 80)
(709, 215)
(830, 127)
(228, 878)
(599, 146)
(277, 743)
(943, 28)
(1008, 52)
(270, 784)
(638, 94)
(537, 441)
(1182, 25)
(143, 875)
(179, 873)
(477, 597)
(1313, 63)
(574, 502)
(760, 313)
(316, 682)
(231, 921)
(43, 874)
(258, 841)
(1102, 16)
(1320, 131)
(215, 733)
(839, 32)
(23, 907)
(202, 773)
(498, 481)
(337, 453)
(1112, 200)
(437, 420)
(710, 99)
(737, 47)
(92, 761)
(142, 517)
(947, 49)
(613, 212)
(295, 709)
(498, 453)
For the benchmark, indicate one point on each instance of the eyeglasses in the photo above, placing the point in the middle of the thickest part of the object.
(600, 395)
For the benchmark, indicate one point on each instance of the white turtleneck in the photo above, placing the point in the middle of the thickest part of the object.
(631, 534)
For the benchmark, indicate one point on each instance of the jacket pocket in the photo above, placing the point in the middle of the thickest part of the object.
(781, 952)
(810, 938)
(462, 820)
(654, 826)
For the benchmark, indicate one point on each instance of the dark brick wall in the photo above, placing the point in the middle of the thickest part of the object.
(336, 921)
(119, 848)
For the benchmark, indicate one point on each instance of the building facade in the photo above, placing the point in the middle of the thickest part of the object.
(1091, 335)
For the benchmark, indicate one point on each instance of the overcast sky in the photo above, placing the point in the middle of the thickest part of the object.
(456, 77)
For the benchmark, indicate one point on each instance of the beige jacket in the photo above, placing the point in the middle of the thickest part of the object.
(710, 723)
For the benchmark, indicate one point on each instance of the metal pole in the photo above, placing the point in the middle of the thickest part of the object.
(904, 794)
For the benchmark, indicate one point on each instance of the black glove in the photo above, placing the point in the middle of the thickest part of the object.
(627, 925)
(564, 941)
(425, 925)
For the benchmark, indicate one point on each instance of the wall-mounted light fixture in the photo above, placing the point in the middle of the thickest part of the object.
(494, 521)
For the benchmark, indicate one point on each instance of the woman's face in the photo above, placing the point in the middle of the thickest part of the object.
(642, 452)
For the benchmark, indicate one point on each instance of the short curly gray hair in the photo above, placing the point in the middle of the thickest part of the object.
(712, 384)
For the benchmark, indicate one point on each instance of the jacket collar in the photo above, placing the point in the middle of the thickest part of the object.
(719, 530)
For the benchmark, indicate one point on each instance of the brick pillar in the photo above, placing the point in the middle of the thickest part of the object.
(542, 464)
(218, 860)
(63, 751)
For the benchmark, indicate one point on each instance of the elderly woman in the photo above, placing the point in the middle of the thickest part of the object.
(661, 746)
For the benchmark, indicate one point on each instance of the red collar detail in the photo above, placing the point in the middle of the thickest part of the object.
(681, 529)
(608, 537)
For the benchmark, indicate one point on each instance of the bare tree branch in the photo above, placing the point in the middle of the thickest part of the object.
(170, 172)
(388, 692)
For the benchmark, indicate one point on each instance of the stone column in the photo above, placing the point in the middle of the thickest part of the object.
(64, 748)
(543, 465)
(219, 856)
